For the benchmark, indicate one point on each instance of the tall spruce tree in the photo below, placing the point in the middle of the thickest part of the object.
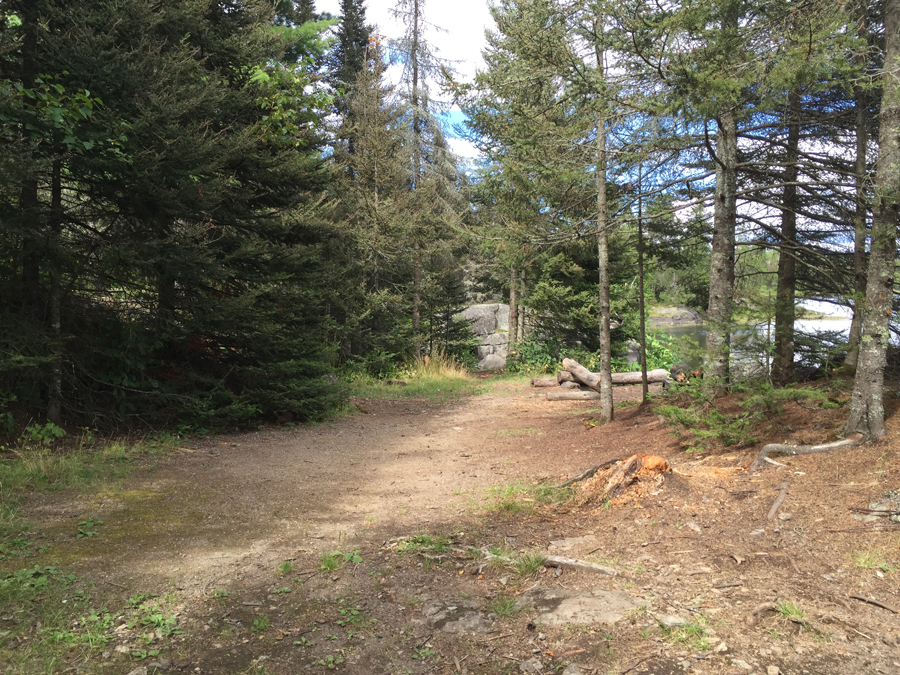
(176, 267)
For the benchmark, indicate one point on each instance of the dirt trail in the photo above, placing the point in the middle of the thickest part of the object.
(223, 514)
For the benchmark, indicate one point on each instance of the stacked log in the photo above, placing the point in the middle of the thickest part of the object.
(589, 382)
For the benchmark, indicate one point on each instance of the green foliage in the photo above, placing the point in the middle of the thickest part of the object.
(43, 434)
(532, 356)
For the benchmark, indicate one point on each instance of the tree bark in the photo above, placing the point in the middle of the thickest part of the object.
(641, 308)
(860, 232)
(721, 273)
(513, 308)
(867, 403)
(29, 202)
(605, 382)
(54, 398)
(783, 361)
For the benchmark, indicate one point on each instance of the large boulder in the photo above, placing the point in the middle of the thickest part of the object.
(492, 362)
(483, 318)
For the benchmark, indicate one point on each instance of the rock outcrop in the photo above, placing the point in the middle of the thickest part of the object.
(491, 324)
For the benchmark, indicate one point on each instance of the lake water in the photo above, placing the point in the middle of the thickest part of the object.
(696, 333)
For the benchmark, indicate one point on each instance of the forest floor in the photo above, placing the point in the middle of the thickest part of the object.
(350, 546)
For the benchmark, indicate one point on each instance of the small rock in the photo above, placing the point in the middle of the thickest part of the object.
(140, 670)
(572, 669)
(686, 664)
(670, 621)
(106, 655)
(694, 526)
(504, 581)
(122, 649)
(741, 664)
(773, 670)
(757, 532)
(721, 648)
(784, 516)
(532, 666)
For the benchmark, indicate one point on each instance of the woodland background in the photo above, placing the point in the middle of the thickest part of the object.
(208, 206)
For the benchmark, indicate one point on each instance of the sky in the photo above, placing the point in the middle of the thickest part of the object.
(456, 31)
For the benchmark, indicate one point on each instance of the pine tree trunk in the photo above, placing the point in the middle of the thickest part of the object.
(521, 312)
(513, 308)
(721, 273)
(867, 403)
(29, 203)
(605, 385)
(54, 399)
(783, 361)
(641, 308)
(859, 239)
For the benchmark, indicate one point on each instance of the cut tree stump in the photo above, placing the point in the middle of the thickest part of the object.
(793, 450)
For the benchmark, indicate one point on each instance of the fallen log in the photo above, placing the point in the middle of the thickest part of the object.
(582, 374)
(794, 450)
(654, 376)
(571, 395)
(658, 375)
(544, 382)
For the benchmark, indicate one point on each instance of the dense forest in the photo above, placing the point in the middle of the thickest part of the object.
(210, 207)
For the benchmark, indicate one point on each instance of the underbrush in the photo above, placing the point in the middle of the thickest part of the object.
(707, 420)
(436, 377)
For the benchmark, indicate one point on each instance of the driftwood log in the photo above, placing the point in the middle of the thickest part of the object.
(793, 450)
(658, 375)
(544, 382)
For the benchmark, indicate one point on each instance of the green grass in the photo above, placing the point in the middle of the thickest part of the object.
(440, 379)
(528, 564)
(52, 620)
(520, 497)
(869, 559)
(692, 635)
(425, 543)
(35, 468)
(504, 606)
(790, 610)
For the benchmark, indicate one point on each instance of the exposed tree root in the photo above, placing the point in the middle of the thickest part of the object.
(588, 473)
(793, 450)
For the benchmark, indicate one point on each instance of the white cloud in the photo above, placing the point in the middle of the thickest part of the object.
(463, 23)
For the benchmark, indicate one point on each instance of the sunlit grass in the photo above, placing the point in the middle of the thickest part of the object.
(436, 377)
(36, 468)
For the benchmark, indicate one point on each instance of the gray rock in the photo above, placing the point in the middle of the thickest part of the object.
(573, 669)
(561, 606)
(570, 385)
(483, 351)
(492, 362)
(671, 621)
(532, 666)
(686, 664)
(497, 339)
(503, 318)
(140, 670)
(483, 318)
(460, 618)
